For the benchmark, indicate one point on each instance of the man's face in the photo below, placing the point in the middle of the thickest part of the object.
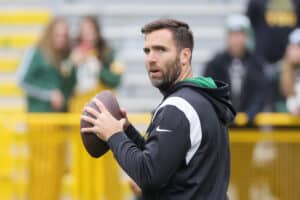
(237, 42)
(162, 58)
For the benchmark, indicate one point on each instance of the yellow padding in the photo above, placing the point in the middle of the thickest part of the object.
(241, 119)
(19, 41)
(9, 64)
(253, 136)
(279, 119)
(10, 89)
(25, 17)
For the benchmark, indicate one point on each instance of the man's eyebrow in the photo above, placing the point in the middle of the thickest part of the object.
(159, 47)
(155, 47)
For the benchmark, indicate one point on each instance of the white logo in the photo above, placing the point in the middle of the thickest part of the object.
(162, 130)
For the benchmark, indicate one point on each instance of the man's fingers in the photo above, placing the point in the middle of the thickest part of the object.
(88, 119)
(92, 111)
(88, 130)
(100, 105)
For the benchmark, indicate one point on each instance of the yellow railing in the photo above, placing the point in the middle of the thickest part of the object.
(264, 158)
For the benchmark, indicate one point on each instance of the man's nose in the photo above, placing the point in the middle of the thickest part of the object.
(151, 58)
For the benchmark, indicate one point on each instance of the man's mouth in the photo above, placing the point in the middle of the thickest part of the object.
(154, 73)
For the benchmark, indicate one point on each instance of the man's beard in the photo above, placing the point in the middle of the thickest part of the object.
(173, 70)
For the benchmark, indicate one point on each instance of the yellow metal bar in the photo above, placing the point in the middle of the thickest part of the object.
(262, 119)
(65, 119)
(277, 119)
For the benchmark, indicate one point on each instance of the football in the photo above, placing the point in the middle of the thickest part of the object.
(94, 145)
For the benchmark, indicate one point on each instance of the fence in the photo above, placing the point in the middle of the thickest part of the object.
(49, 148)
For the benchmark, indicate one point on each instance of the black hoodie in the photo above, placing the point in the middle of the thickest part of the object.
(186, 153)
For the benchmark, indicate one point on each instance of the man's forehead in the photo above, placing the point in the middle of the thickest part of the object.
(162, 36)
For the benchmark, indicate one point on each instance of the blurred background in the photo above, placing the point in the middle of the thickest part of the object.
(56, 55)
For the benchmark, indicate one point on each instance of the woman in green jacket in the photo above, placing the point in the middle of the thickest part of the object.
(48, 82)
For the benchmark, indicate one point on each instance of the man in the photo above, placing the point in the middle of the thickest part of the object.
(237, 66)
(186, 153)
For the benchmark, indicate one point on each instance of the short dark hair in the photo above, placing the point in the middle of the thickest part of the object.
(182, 34)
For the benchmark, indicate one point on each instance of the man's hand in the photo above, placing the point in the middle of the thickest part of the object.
(104, 124)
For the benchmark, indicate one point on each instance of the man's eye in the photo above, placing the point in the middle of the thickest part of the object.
(161, 50)
(146, 51)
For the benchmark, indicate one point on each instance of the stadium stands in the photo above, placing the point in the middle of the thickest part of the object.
(21, 22)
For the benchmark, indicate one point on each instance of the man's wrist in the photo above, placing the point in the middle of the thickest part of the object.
(111, 134)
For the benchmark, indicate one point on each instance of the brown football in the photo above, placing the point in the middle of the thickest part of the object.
(94, 145)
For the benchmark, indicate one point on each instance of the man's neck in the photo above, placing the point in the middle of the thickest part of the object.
(185, 73)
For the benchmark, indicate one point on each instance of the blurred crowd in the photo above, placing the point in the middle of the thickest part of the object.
(59, 67)
(262, 58)
(61, 74)
(260, 62)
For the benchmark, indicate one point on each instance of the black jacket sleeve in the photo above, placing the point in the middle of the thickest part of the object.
(135, 136)
(165, 150)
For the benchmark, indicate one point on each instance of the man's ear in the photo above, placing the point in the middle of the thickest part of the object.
(185, 56)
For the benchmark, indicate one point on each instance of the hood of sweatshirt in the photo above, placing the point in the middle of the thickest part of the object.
(216, 92)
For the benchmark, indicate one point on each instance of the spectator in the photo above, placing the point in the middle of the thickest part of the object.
(48, 84)
(272, 21)
(286, 165)
(238, 66)
(97, 70)
(97, 67)
(290, 73)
